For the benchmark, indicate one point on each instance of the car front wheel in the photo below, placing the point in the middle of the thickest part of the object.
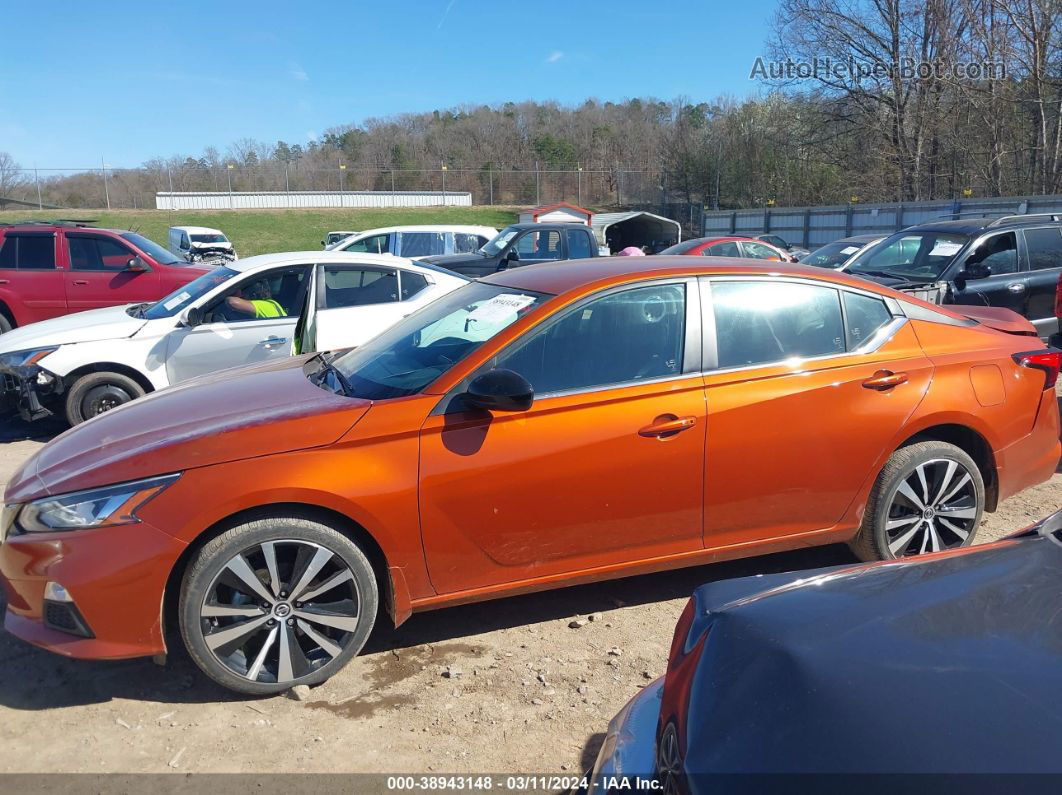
(95, 393)
(928, 497)
(275, 603)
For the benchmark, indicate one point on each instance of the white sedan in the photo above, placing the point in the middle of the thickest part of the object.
(244, 312)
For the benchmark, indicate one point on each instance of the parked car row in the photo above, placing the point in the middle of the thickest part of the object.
(279, 511)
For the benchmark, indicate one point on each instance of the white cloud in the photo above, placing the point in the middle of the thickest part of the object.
(311, 135)
(298, 73)
(554, 56)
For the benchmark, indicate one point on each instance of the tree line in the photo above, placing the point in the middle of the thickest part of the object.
(877, 132)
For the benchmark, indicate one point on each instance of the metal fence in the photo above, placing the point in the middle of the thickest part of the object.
(812, 227)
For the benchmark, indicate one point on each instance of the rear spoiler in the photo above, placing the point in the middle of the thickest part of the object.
(998, 318)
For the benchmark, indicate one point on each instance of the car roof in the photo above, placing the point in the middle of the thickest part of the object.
(46, 226)
(860, 238)
(974, 226)
(262, 261)
(560, 277)
(469, 228)
(197, 229)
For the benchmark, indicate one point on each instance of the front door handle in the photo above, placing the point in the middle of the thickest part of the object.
(80, 281)
(1016, 287)
(667, 425)
(5, 281)
(272, 342)
(884, 379)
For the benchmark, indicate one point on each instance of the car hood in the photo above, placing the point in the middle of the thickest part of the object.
(449, 260)
(797, 662)
(243, 413)
(111, 322)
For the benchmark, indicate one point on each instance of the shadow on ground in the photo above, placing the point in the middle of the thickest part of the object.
(33, 679)
(14, 429)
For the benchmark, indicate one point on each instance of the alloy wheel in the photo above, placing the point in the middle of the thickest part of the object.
(669, 762)
(934, 507)
(280, 610)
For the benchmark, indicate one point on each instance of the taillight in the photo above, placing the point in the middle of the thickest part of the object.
(1058, 297)
(1048, 360)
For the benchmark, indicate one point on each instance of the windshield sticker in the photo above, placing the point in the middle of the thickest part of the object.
(945, 248)
(177, 300)
(500, 308)
(850, 249)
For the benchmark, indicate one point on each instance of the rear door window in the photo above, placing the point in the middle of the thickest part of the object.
(467, 244)
(421, 244)
(759, 251)
(578, 244)
(863, 317)
(358, 286)
(1045, 248)
(723, 250)
(761, 322)
(28, 252)
(412, 284)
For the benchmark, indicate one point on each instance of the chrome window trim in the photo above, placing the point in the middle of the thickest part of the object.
(878, 339)
(691, 352)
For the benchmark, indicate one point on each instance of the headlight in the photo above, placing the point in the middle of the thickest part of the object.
(24, 358)
(107, 507)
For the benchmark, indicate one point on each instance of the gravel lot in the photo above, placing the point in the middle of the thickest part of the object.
(497, 687)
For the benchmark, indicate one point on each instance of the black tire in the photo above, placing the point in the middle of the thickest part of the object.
(5, 324)
(944, 521)
(95, 393)
(210, 584)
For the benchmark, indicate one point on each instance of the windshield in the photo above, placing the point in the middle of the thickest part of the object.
(494, 246)
(409, 356)
(153, 249)
(832, 255)
(912, 256)
(184, 296)
(218, 238)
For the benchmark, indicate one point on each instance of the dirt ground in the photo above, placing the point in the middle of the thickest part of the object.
(500, 687)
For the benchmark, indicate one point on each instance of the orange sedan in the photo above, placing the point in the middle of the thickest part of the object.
(545, 426)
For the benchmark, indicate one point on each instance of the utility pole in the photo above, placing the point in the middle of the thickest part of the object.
(490, 182)
(538, 194)
(580, 186)
(228, 173)
(342, 181)
(392, 186)
(106, 187)
(444, 183)
(37, 179)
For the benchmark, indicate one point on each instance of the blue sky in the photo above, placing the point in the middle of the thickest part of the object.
(128, 81)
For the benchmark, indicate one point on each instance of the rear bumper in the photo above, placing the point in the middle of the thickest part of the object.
(1034, 458)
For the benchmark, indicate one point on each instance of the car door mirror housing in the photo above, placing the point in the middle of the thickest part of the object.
(192, 317)
(975, 270)
(500, 390)
(137, 265)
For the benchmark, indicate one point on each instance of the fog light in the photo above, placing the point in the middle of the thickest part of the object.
(54, 592)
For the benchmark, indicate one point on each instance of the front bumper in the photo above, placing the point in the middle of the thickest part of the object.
(116, 576)
(627, 759)
(26, 389)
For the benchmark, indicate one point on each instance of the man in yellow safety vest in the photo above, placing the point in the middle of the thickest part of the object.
(258, 304)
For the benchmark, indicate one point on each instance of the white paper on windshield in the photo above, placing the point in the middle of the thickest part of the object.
(945, 248)
(850, 249)
(500, 307)
(177, 300)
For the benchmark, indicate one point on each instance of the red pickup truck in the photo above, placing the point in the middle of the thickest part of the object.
(52, 269)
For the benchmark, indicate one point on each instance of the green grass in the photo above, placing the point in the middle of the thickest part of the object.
(264, 231)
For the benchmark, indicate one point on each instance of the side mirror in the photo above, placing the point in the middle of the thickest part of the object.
(192, 317)
(976, 270)
(137, 265)
(500, 390)
(513, 255)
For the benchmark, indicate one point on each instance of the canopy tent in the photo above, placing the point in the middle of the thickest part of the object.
(616, 231)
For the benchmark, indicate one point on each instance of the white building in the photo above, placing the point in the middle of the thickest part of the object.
(264, 200)
(559, 213)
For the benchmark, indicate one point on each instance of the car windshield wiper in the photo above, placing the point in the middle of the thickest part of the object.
(137, 310)
(328, 367)
(882, 274)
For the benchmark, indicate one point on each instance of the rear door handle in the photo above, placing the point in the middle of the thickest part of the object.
(1016, 287)
(667, 425)
(272, 342)
(80, 281)
(5, 281)
(884, 379)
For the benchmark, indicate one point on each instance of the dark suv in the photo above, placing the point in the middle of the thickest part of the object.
(1012, 262)
(522, 244)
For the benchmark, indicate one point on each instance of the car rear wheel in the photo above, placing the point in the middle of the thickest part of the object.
(275, 603)
(5, 324)
(928, 497)
(95, 393)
